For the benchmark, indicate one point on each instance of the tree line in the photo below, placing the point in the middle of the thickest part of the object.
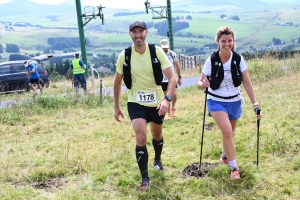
(163, 27)
(12, 48)
(60, 43)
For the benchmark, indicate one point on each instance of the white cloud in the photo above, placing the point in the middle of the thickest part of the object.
(123, 3)
(133, 4)
(5, 1)
(52, 2)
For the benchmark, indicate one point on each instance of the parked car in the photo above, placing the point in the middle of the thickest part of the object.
(13, 76)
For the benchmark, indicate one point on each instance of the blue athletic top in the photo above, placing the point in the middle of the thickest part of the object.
(31, 67)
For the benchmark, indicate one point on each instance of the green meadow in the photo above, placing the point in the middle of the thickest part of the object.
(70, 147)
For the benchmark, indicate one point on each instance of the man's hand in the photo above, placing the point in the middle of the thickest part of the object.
(179, 82)
(163, 107)
(117, 113)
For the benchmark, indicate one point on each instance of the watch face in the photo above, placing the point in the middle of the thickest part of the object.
(168, 97)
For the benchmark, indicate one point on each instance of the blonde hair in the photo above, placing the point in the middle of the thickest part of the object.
(225, 30)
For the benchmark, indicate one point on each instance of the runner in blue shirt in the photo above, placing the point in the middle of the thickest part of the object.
(34, 76)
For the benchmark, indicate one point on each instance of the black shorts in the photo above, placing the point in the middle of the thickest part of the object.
(35, 80)
(164, 86)
(150, 114)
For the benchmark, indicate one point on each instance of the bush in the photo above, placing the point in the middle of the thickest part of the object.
(56, 77)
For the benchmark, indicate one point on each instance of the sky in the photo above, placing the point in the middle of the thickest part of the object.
(127, 4)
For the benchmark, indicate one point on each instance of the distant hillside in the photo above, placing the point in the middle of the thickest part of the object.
(17, 7)
(240, 3)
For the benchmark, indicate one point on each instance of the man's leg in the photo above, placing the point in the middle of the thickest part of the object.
(39, 85)
(83, 80)
(30, 85)
(158, 143)
(140, 129)
(174, 100)
(76, 82)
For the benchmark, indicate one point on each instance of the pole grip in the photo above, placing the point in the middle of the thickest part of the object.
(257, 110)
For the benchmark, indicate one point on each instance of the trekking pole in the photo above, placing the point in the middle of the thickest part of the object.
(203, 128)
(257, 111)
(100, 92)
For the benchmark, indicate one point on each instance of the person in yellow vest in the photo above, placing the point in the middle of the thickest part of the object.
(79, 67)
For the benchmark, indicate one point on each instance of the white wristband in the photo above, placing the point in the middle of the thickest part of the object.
(255, 104)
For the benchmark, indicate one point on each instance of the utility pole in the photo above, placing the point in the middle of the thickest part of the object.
(81, 34)
(89, 14)
(170, 24)
(163, 12)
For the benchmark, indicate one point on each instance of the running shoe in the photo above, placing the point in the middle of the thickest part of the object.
(174, 112)
(235, 174)
(145, 184)
(157, 164)
(224, 160)
(169, 116)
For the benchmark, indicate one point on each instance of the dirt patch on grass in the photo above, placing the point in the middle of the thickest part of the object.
(209, 126)
(49, 185)
(195, 170)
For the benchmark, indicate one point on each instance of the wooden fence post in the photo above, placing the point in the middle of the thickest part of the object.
(199, 62)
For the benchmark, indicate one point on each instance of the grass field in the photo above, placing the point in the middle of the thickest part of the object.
(71, 148)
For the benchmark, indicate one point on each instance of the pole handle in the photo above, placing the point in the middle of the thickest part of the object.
(257, 110)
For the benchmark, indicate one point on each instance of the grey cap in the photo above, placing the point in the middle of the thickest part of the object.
(137, 24)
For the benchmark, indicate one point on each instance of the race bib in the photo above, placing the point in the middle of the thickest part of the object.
(146, 97)
(165, 80)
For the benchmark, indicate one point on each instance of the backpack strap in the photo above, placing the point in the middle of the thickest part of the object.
(236, 60)
(128, 55)
(127, 68)
(216, 65)
(217, 71)
(156, 66)
(236, 69)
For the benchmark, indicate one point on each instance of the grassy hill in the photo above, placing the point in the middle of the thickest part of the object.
(66, 148)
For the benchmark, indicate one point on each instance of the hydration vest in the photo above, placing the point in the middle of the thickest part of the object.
(217, 70)
(156, 66)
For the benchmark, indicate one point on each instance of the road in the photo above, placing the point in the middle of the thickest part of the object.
(186, 82)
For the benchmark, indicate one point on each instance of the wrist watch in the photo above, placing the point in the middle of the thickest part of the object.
(168, 97)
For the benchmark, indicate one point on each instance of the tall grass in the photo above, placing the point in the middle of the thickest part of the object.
(70, 147)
